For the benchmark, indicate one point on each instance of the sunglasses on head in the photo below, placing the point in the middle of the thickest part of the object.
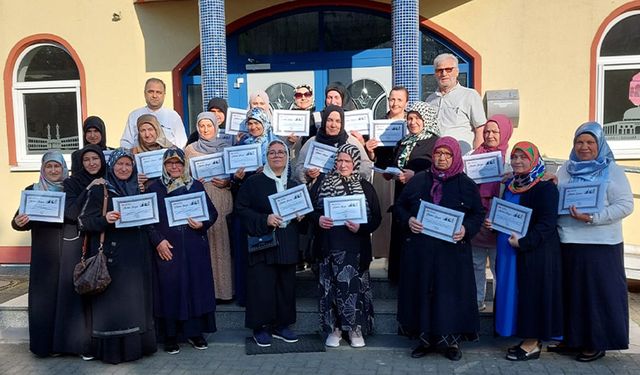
(299, 95)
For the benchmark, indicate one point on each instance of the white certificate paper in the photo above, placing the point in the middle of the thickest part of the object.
(42, 205)
(483, 168)
(181, 207)
(136, 210)
(346, 207)
(208, 166)
(588, 197)
(291, 202)
(150, 163)
(286, 122)
(439, 222)
(234, 119)
(248, 157)
(507, 217)
(388, 132)
(359, 120)
(320, 156)
(389, 170)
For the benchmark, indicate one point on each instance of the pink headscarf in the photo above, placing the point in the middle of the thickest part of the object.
(456, 167)
(264, 97)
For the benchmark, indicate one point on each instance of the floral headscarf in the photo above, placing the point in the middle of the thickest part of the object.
(591, 170)
(525, 181)
(429, 115)
(44, 183)
(176, 183)
(267, 136)
(456, 167)
(122, 187)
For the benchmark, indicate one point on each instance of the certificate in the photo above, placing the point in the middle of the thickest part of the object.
(150, 163)
(136, 210)
(291, 202)
(359, 120)
(234, 119)
(317, 118)
(230, 138)
(439, 222)
(207, 166)
(346, 207)
(507, 217)
(387, 132)
(181, 207)
(287, 122)
(42, 205)
(389, 170)
(320, 156)
(588, 197)
(483, 168)
(248, 157)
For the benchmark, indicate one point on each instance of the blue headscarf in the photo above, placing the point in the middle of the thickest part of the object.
(591, 170)
(267, 136)
(44, 183)
(116, 185)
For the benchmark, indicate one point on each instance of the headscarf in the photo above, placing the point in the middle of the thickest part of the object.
(264, 97)
(212, 145)
(525, 181)
(82, 178)
(281, 181)
(176, 183)
(44, 183)
(114, 184)
(220, 104)
(95, 122)
(591, 170)
(347, 102)
(492, 189)
(429, 116)
(456, 167)
(332, 140)
(161, 140)
(267, 136)
(311, 106)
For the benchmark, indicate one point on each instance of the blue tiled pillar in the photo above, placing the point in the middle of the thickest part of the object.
(213, 50)
(406, 46)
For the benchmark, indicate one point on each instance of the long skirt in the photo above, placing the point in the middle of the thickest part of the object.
(596, 310)
(346, 299)
(271, 295)
(506, 298)
(219, 243)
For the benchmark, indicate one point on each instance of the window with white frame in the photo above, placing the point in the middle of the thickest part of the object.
(618, 85)
(46, 103)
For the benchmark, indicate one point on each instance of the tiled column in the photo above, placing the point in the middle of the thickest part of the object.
(406, 46)
(213, 50)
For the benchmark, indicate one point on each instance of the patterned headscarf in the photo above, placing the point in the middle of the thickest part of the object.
(332, 140)
(212, 145)
(591, 170)
(46, 184)
(492, 189)
(456, 167)
(114, 184)
(525, 181)
(312, 99)
(176, 183)
(267, 136)
(161, 140)
(430, 129)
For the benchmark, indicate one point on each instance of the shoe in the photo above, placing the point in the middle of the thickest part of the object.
(453, 353)
(285, 334)
(356, 339)
(523, 355)
(590, 357)
(198, 342)
(262, 338)
(333, 339)
(87, 357)
(421, 350)
(482, 306)
(514, 349)
(560, 348)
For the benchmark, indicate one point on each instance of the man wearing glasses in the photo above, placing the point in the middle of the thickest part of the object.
(460, 111)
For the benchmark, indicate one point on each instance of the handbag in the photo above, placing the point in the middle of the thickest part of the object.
(91, 276)
(258, 243)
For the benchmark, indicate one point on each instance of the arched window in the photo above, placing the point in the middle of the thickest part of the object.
(618, 84)
(47, 109)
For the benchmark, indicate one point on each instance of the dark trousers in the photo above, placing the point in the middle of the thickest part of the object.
(271, 295)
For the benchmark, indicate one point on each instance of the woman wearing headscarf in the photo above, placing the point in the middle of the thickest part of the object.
(497, 132)
(436, 293)
(346, 300)
(271, 272)
(336, 94)
(217, 106)
(184, 304)
(94, 132)
(528, 302)
(150, 138)
(260, 99)
(331, 133)
(46, 243)
(218, 191)
(596, 311)
(122, 316)
(411, 155)
(72, 334)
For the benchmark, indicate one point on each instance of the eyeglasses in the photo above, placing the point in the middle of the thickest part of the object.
(438, 154)
(299, 95)
(277, 153)
(442, 70)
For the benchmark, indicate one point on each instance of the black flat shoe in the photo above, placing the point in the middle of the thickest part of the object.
(523, 355)
(514, 349)
(421, 350)
(561, 348)
(590, 357)
(453, 353)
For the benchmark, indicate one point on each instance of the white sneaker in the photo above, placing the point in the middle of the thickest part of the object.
(357, 341)
(333, 339)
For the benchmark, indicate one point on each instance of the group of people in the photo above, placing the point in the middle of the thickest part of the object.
(564, 280)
